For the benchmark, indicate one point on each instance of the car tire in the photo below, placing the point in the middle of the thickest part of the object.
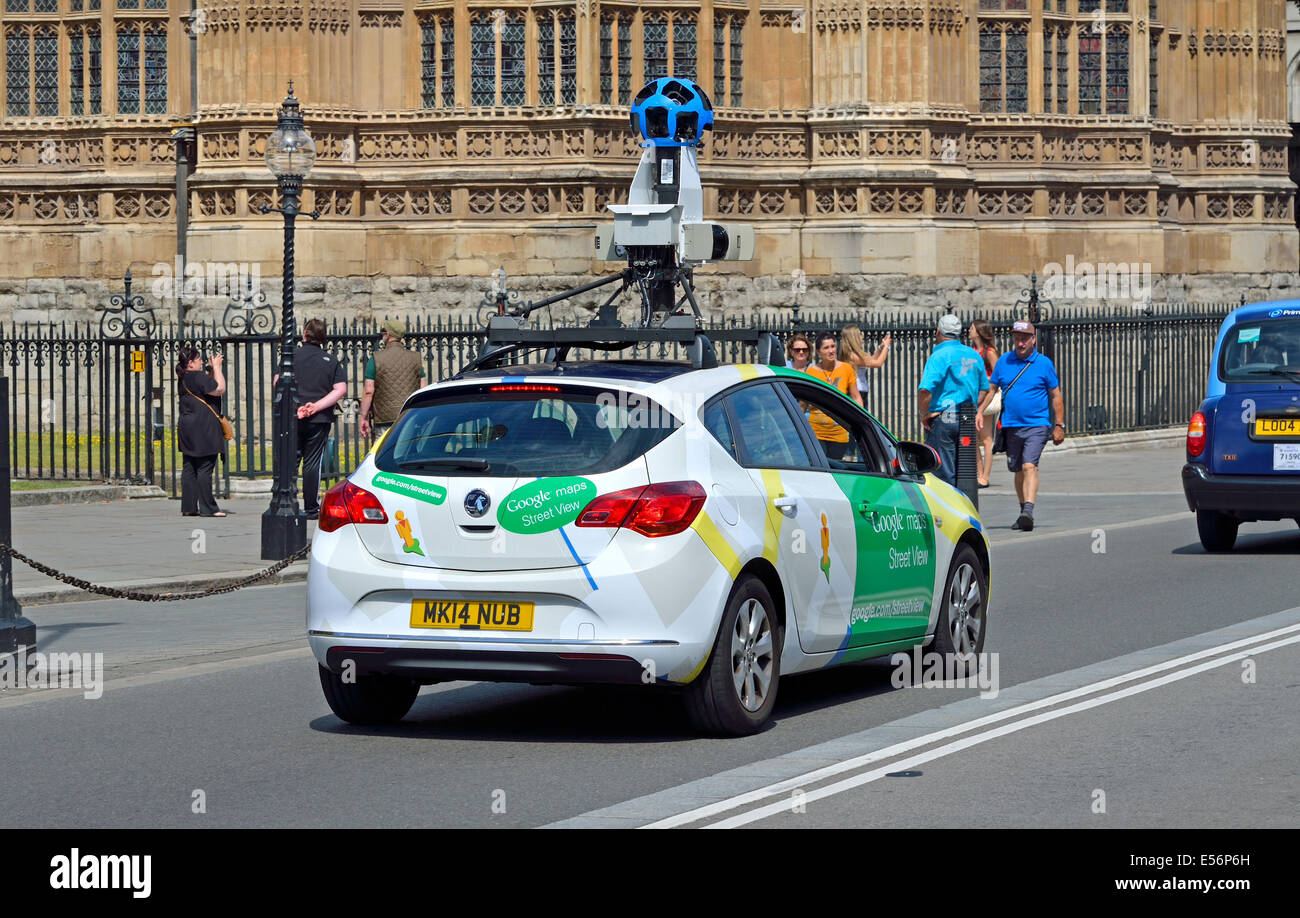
(963, 616)
(1218, 530)
(736, 691)
(370, 700)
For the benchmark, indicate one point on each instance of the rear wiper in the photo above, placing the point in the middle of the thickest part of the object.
(1279, 370)
(477, 465)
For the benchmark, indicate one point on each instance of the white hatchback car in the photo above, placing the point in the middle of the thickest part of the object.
(636, 522)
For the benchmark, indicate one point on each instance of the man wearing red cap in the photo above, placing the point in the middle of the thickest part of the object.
(1032, 412)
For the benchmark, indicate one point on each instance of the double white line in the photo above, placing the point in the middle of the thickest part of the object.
(989, 728)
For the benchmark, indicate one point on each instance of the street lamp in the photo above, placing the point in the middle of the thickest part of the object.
(290, 154)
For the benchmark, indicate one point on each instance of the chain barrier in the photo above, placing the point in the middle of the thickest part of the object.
(156, 597)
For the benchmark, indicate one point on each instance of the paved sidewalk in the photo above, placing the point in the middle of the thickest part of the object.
(139, 544)
(147, 545)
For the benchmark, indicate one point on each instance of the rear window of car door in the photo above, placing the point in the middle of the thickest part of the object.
(766, 435)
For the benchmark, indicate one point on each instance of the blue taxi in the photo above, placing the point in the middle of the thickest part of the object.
(1243, 444)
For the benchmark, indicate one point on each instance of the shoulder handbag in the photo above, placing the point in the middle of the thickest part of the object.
(1000, 438)
(227, 429)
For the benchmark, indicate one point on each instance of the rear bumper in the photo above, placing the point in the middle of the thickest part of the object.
(1247, 497)
(437, 664)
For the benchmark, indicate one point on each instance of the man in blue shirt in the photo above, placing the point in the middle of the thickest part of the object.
(953, 376)
(1031, 397)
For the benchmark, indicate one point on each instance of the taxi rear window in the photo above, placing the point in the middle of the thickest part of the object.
(510, 429)
(1252, 349)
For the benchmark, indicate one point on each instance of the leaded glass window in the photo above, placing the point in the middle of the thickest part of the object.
(606, 60)
(1000, 5)
(1117, 6)
(684, 46)
(128, 69)
(1089, 72)
(483, 60)
(94, 73)
(514, 64)
(545, 58)
(1117, 70)
(655, 46)
(737, 72)
(1049, 68)
(1062, 71)
(76, 73)
(568, 58)
(128, 4)
(625, 60)
(447, 77)
(74, 6)
(719, 59)
(17, 6)
(990, 67)
(46, 62)
(155, 4)
(437, 62)
(1017, 39)
(1089, 6)
(17, 62)
(155, 69)
(46, 6)
(1155, 74)
(93, 6)
(1155, 10)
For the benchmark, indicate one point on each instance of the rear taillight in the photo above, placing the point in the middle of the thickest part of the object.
(346, 503)
(1196, 435)
(655, 510)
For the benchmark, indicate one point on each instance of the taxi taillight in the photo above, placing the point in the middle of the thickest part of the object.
(1196, 435)
(346, 503)
(654, 510)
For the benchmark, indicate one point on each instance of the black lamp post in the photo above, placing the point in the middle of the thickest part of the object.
(290, 154)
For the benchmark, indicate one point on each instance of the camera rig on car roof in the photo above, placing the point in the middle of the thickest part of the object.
(662, 235)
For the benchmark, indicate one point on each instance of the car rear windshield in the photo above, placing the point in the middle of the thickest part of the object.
(524, 430)
(1254, 351)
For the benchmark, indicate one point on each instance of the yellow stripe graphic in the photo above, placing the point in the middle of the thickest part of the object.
(773, 489)
(747, 371)
(707, 530)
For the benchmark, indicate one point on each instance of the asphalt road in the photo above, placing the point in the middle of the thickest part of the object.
(221, 696)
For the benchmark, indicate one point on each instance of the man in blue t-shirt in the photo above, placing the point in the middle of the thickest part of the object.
(953, 376)
(1031, 397)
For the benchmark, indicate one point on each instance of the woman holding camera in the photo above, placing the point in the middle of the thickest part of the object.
(199, 434)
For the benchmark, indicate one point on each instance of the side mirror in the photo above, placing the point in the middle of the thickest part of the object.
(916, 458)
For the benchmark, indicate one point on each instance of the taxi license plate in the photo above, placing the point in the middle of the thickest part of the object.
(472, 615)
(1277, 427)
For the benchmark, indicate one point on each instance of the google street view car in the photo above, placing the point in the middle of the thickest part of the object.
(1243, 444)
(672, 524)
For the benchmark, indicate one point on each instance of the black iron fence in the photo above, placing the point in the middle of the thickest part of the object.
(99, 403)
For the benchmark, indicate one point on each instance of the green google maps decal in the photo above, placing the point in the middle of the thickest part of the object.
(545, 505)
(894, 579)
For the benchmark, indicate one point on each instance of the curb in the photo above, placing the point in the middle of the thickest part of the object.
(40, 596)
(1104, 443)
(92, 494)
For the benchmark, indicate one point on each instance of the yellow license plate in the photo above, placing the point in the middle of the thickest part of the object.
(472, 615)
(1277, 427)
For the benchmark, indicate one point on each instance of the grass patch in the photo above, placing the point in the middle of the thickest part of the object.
(18, 485)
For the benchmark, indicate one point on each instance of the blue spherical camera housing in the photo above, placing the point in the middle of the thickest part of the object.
(671, 112)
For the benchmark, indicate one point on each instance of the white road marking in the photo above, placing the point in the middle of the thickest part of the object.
(773, 809)
(799, 781)
(1034, 537)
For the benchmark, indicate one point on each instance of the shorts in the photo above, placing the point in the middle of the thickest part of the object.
(1025, 444)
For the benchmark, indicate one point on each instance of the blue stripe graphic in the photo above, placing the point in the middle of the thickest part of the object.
(579, 560)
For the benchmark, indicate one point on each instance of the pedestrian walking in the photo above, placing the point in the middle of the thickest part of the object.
(391, 375)
(1031, 398)
(799, 350)
(854, 351)
(321, 382)
(954, 376)
(833, 439)
(981, 338)
(198, 430)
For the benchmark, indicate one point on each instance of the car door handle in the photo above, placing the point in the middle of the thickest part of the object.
(785, 503)
(864, 507)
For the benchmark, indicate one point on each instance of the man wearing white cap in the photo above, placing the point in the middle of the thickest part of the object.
(1031, 398)
(953, 376)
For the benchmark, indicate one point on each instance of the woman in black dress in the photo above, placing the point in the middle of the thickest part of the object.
(198, 431)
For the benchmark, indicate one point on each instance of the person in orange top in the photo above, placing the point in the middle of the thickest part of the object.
(833, 438)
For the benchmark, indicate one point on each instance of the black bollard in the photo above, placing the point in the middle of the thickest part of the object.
(15, 631)
(968, 454)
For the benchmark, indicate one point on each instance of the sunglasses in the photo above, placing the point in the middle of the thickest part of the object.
(798, 349)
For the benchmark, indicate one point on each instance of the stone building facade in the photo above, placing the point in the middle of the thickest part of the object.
(888, 152)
